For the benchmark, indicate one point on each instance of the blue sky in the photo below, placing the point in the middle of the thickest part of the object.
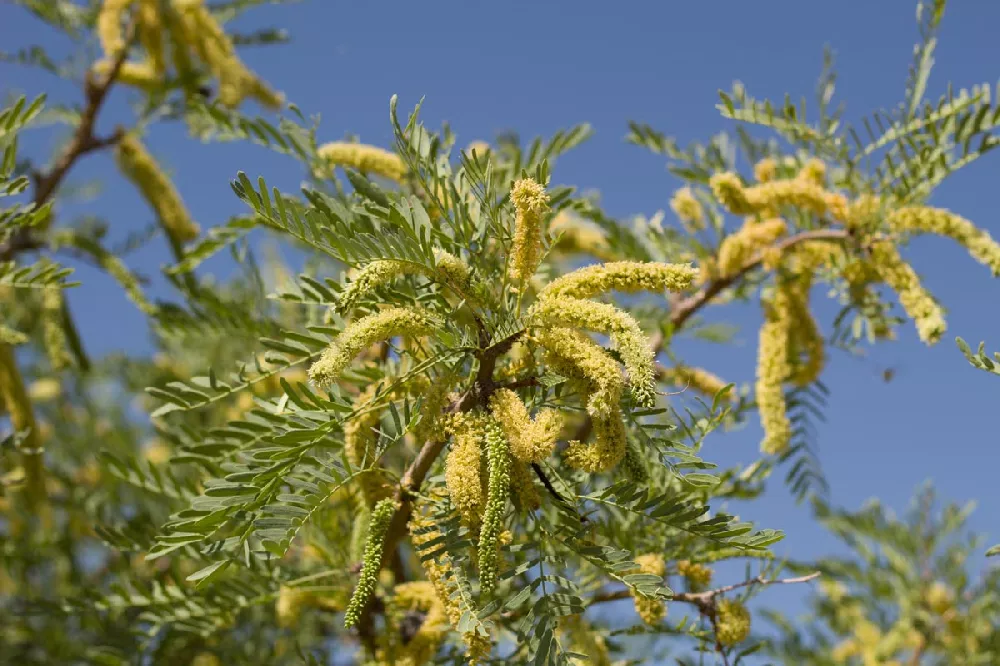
(537, 67)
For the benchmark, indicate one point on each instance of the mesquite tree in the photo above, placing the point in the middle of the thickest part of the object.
(460, 428)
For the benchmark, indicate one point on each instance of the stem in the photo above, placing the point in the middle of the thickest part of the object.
(15, 398)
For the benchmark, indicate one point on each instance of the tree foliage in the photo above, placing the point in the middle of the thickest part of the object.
(459, 428)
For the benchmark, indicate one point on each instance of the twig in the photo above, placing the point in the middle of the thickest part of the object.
(702, 599)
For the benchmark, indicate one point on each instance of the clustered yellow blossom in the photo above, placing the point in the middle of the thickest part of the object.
(801, 192)
(43, 390)
(574, 355)
(448, 269)
(765, 170)
(698, 379)
(201, 33)
(378, 525)
(522, 487)
(922, 219)
(423, 645)
(574, 235)
(364, 332)
(698, 576)
(530, 440)
(624, 276)
(364, 158)
(53, 331)
(498, 463)
(148, 177)
(919, 305)
(773, 369)
(463, 473)
(14, 397)
(531, 204)
(652, 611)
(939, 597)
(732, 622)
(191, 28)
(737, 248)
(583, 639)
(688, 209)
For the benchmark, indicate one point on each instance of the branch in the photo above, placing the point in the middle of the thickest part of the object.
(706, 599)
(690, 305)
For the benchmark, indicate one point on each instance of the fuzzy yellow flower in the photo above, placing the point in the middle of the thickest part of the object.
(738, 248)
(146, 174)
(772, 370)
(531, 204)
(698, 575)
(364, 158)
(652, 611)
(109, 26)
(688, 209)
(697, 379)
(765, 170)
(573, 354)
(420, 596)
(733, 621)
(364, 332)
(463, 476)
(574, 235)
(916, 301)
(922, 219)
(530, 440)
(625, 276)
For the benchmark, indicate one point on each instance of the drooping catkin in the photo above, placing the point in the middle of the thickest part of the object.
(738, 248)
(463, 466)
(14, 397)
(772, 371)
(378, 526)
(530, 440)
(57, 346)
(620, 326)
(498, 460)
(924, 219)
(448, 270)
(420, 596)
(573, 354)
(605, 452)
(696, 379)
(919, 305)
(531, 204)
(364, 332)
(149, 25)
(688, 209)
(652, 611)
(576, 236)
(801, 193)
(146, 174)
(523, 491)
(364, 158)
(109, 26)
(625, 276)
(135, 74)
(732, 622)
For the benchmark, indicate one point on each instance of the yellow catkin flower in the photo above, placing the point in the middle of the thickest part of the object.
(202, 33)
(423, 645)
(378, 525)
(919, 305)
(624, 331)
(53, 330)
(652, 611)
(360, 440)
(624, 276)
(576, 236)
(530, 441)
(463, 466)
(43, 390)
(523, 491)
(364, 332)
(531, 204)
(688, 209)
(161, 195)
(109, 25)
(364, 158)
(939, 598)
(291, 601)
(135, 74)
(813, 171)
(448, 270)
(738, 248)
(800, 193)
(480, 148)
(605, 452)
(730, 192)
(733, 622)
(573, 354)
(150, 29)
(498, 463)
(922, 219)
(697, 379)
(14, 397)
(772, 370)
(584, 639)
(698, 576)
(765, 170)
